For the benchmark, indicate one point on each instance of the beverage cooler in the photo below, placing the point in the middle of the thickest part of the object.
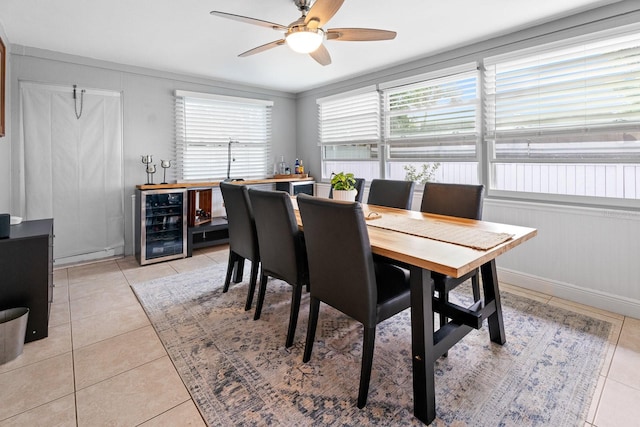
(161, 225)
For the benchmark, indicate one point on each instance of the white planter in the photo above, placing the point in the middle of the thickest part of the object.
(347, 195)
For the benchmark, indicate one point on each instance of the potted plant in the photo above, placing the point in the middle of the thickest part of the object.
(343, 185)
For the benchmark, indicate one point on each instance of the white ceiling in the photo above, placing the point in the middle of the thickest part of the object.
(181, 36)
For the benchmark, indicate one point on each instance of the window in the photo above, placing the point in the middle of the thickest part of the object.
(402, 125)
(564, 118)
(219, 137)
(433, 119)
(349, 133)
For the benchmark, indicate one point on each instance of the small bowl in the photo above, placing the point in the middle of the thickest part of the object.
(16, 220)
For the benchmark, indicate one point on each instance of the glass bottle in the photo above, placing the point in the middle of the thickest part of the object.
(296, 168)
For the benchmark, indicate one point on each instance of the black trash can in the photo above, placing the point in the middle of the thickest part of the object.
(13, 328)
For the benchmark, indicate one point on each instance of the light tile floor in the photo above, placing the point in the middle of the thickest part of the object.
(103, 364)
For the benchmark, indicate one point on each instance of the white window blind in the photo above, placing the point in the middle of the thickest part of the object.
(350, 118)
(564, 118)
(436, 117)
(208, 126)
(576, 99)
(349, 132)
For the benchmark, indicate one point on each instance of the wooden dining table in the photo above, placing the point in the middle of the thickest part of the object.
(406, 245)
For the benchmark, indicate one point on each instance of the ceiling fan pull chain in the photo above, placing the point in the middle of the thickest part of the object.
(75, 101)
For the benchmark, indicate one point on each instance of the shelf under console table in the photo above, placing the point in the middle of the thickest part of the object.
(215, 232)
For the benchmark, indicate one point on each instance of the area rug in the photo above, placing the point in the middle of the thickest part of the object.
(239, 372)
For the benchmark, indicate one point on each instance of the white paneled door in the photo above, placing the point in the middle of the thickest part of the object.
(71, 155)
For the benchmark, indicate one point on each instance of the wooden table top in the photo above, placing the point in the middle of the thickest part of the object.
(209, 184)
(442, 257)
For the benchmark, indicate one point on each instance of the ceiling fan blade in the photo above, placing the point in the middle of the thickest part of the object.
(322, 11)
(321, 55)
(262, 48)
(359, 34)
(248, 20)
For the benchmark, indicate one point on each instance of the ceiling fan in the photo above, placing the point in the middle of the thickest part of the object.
(305, 35)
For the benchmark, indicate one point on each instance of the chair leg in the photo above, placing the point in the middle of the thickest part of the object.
(475, 285)
(293, 316)
(367, 361)
(314, 308)
(252, 284)
(230, 265)
(239, 270)
(261, 292)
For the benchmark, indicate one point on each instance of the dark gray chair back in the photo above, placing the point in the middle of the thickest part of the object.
(341, 268)
(281, 243)
(359, 188)
(391, 193)
(243, 239)
(461, 200)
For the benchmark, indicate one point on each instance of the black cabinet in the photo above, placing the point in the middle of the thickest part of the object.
(26, 273)
(161, 225)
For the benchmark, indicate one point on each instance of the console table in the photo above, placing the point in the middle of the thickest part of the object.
(26, 268)
(216, 231)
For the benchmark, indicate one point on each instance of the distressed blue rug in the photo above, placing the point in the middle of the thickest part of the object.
(239, 372)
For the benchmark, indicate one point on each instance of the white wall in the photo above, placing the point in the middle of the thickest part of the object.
(148, 109)
(585, 254)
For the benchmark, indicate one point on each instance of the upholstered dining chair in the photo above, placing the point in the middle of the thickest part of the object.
(351, 283)
(359, 188)
(461, 200)
(282, 249)
(391, 193)
(243, 239)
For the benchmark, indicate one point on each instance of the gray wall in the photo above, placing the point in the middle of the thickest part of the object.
(148, 110)
(585, 254)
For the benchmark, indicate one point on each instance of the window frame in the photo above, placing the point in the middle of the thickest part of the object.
(583, 162)
(485, 149)
(357, 109)
(380, 141)
(222, 136)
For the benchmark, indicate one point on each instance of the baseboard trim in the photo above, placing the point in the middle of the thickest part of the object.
(598, 299)
(110, 253)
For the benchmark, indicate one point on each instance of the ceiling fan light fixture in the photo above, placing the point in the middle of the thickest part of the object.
(304, 39)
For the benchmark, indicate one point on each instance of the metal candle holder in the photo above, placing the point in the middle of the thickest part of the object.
(166, 164)
(151, 169)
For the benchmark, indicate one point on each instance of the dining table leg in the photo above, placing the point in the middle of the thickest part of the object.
(422, 351)
(492, 294)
